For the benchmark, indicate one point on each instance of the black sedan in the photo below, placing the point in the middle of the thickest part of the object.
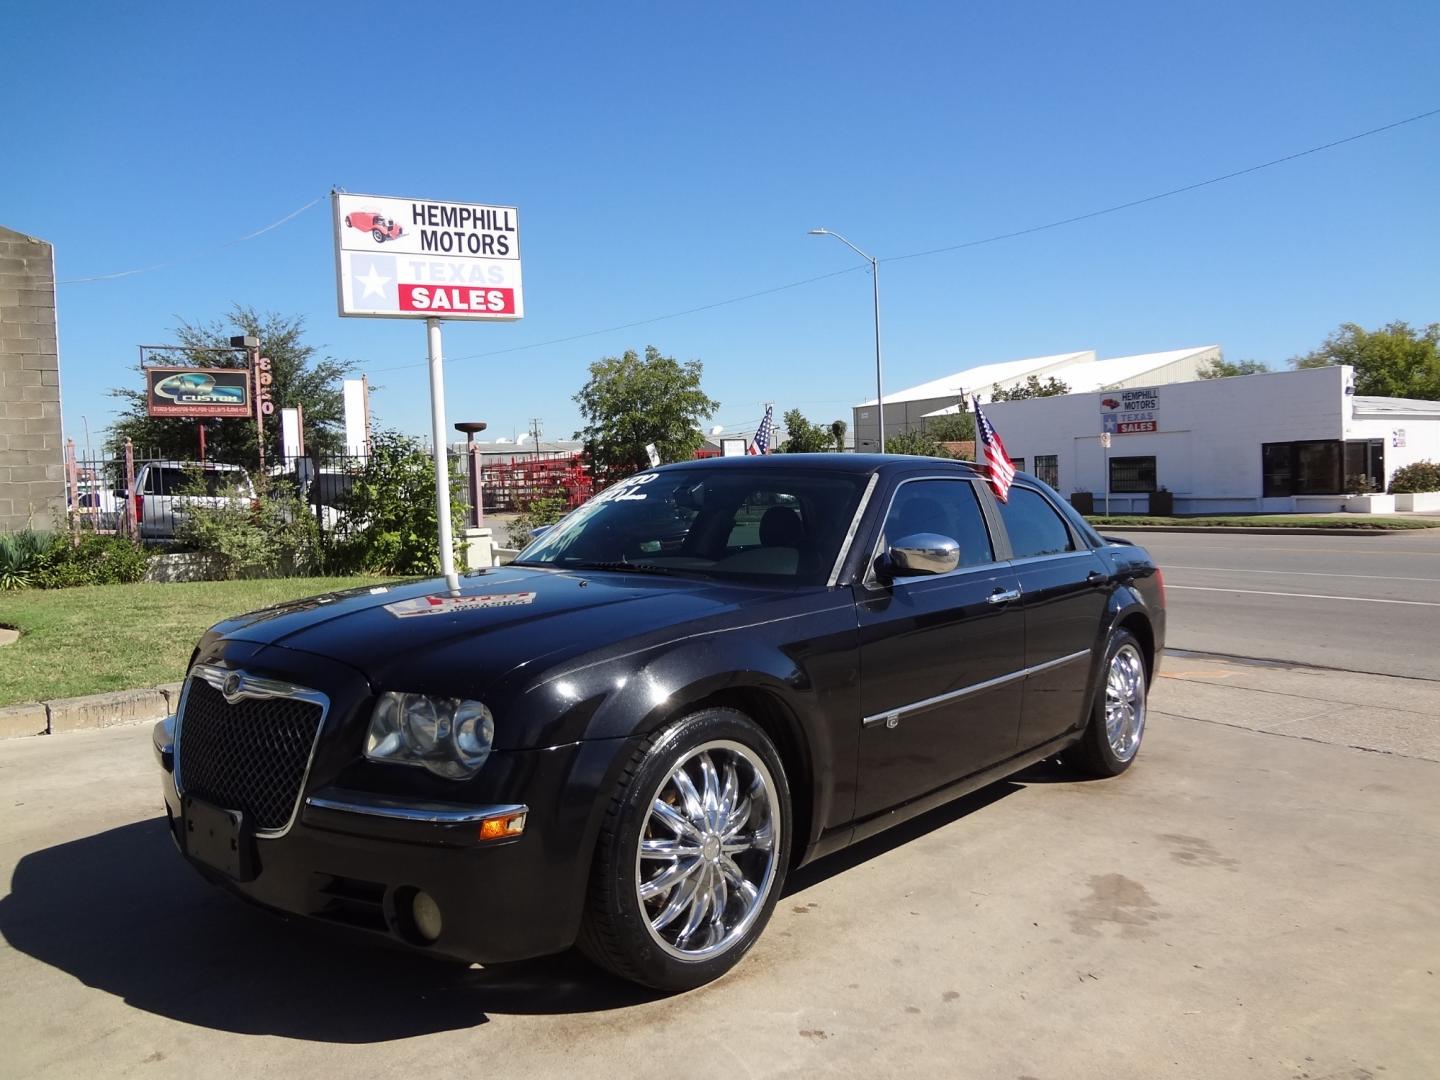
(710, 674)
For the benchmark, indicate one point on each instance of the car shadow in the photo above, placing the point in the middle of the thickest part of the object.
(122, 913)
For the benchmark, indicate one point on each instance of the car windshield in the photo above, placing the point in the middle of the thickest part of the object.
(764, 525)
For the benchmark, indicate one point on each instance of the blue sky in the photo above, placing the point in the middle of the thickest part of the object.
(665, 157)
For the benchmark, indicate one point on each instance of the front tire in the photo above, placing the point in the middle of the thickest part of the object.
(692, 853)
(379, 235)
(1117, 719)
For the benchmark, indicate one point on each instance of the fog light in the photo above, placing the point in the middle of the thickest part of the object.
(426, 914)
(503, 826)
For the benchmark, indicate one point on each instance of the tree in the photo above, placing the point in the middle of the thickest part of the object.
(630, 402)
(1226, 369)
(301, 376)
(837, 434)
(803, 437)
(1394, 361)
(1033, 388)
(918, 443)
(952, 427)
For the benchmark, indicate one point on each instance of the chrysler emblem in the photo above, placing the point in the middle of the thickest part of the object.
(231, 689)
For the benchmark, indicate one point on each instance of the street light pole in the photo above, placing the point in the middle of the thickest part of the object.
(875, 286)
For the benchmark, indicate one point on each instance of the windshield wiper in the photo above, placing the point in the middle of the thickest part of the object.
(628, 567)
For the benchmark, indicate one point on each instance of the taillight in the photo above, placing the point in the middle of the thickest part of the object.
(1160, 581)
(139, 508)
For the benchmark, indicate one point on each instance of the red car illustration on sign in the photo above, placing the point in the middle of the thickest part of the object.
(377, 225)
(1110, 403)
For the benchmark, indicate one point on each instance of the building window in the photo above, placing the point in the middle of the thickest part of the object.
(1310, 467)
(1047, 468)
(1019, 463)
(1132, 474)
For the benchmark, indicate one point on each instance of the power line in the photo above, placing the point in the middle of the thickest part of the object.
(947, 248)
(194, 255)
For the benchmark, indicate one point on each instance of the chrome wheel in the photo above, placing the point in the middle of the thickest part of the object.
(1125, 701)
(707, 855)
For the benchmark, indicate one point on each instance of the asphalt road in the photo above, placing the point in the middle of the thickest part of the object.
(1241, 904)
(1359, 603)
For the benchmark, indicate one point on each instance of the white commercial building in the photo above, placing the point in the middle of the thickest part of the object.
(909, 409)
(1280, 442)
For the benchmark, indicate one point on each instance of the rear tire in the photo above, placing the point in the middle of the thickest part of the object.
(692, 853)
(1111, 740)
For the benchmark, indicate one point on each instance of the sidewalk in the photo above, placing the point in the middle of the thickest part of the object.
(1380, 713)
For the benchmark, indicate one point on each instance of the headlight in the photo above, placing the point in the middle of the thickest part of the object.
(448, 736)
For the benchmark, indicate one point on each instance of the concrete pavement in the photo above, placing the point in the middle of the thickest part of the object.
(1358, 603)
(1243, 903)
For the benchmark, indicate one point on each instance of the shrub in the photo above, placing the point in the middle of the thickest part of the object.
(91, 559)
(276, 537)
(389, 514)
(542, 510)
(21, 556)
(1412, 479)
(921, 443)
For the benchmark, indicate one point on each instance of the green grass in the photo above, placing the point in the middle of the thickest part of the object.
(120, 637)
(1271, 521)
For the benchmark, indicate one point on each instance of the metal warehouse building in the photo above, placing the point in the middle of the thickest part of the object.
(1280, 442)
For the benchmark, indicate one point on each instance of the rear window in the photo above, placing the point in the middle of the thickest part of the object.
(1035, 527)
(172, 480)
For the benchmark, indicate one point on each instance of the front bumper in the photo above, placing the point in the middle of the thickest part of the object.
(358, 859)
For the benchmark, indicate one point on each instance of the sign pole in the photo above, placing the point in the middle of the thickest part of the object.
(442, 456)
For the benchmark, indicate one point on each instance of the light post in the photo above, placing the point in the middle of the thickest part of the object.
(875, 283)
(470, 428)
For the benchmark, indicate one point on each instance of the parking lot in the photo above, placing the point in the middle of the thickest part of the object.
(1257, 898)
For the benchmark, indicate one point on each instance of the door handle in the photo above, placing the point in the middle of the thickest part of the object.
(1093, 576)
(1003, 596)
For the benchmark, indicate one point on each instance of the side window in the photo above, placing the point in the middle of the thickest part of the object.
(1034, 526)
(946, 507)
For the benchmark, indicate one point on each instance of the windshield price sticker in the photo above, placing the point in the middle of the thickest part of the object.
(415, 258)
(624, 490)
(446, 605)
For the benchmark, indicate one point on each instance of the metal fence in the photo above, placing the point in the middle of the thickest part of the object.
(145, 495)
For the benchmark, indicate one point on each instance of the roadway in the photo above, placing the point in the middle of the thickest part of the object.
(1359, 603)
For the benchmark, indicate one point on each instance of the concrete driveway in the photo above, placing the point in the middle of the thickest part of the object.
(1243, 903)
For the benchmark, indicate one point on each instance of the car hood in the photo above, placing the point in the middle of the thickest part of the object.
(422, 636)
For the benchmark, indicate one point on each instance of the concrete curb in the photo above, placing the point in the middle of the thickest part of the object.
(89, 713)
(1256, 530)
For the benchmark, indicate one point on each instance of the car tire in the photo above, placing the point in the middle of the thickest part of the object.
(379, 235)
(1111, 740)
(687, 908)
(347, 221)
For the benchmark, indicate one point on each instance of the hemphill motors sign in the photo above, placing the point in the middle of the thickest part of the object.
(1129, 412)
(416, 259)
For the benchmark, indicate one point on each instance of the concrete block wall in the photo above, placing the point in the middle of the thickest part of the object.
(32, 453)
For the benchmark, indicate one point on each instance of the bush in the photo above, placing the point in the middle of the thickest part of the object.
(920, 443)
(1413, 479)
(91, 559)
(277, 537)
(389, 512)
(21, 556)
(542, 510)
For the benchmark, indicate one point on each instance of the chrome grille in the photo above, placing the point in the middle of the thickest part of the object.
(245, 744)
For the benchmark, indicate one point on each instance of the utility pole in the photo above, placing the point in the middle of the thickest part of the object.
(535, 435)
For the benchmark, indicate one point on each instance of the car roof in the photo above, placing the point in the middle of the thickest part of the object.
(831, 463)
(212, 466)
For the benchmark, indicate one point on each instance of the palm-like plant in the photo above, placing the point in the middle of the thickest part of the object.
(20, 556)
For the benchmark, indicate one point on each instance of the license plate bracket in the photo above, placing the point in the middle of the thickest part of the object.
(219, 838)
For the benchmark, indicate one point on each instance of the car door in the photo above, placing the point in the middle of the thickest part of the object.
(940, 655)
(1064, 586)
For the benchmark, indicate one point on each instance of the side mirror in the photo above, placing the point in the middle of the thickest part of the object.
(920, 553)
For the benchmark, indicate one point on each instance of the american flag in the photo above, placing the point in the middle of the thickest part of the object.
(994, 462)
(765, 433)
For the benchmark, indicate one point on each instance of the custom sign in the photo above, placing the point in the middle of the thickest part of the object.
(417, 259)
(1397, 437)
(1129, 412)
(201, 393)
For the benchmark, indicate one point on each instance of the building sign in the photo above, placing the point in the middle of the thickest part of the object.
(1397, 437)
(1130, 412)
(416, 259)
(201, 393)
